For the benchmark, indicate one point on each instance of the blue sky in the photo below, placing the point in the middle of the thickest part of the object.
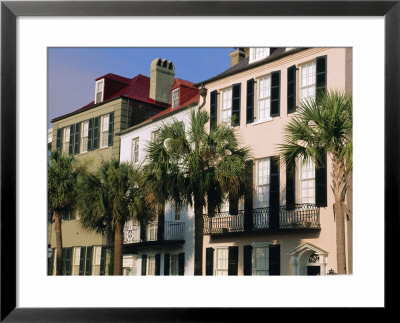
(72, 71)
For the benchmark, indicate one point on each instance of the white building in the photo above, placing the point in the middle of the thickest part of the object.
(166, 246)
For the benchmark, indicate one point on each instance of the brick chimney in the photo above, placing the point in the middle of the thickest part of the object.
(236, 56)
(162, 74)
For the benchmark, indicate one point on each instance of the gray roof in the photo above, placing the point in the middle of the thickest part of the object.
(244, 64)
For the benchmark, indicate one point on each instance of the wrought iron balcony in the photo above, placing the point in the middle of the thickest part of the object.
(299, 216)
(133, 233)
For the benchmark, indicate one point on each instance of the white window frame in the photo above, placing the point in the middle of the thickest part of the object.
(66, 137)
(154, 135)
(264, 96)
(104, 129)
(223, 270)
(174, 264)
(84, 136)
(97, 256)
(307, 80)
(307, 182)
(135, 150)
(131, 270)
(151, 265)
(263, 183)
(77, 256)
(99, 88)
(226, 105)
(254, 268)
(175, 97)
(258, 53)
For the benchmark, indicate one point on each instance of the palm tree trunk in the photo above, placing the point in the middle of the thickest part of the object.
(198, 238)
(339, 188)
(118, 245)
(59, 245)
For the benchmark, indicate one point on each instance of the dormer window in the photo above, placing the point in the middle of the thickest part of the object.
(99, 91)
(258, 53)
(175, 98)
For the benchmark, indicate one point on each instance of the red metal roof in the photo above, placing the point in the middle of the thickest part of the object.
(138, 88)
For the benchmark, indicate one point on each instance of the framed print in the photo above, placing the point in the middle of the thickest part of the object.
(30, 28)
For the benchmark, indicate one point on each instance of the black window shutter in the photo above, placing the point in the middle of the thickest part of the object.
(290, 186)
(77, 138)
(88, 269)
(166, 264)
(82, 261)
(50, 264)
(321, 76)
(233, 255)
(157, 265)
(291, 89)
(236, 90)
(274, 260)
(213, 108)
(58, 140)
(233, 205)
(321, 183)
(209, 261)
(160, 224)
(250, 101)
(67, 261)
(275, 93)
(181, 264)
(90, 135)
(247, 259)
(274, 192)
(103, 261)
(71, 139)
(144, 264)
(248, 197)
(96, 132)
(111, 129)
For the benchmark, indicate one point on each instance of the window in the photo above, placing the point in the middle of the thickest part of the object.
(67, 133)
(154, 135)
(264, 98)
(263, 181)
(307, 182)
(105, 121)
(135, 151)
(151, 265)
(175, 98)
(84, 136)
(258, 53)
(99, 91)
(226, 106)
(129, 265)
(260, 260)
(221, 262)
(176, 214)
(307, 81)
(174, 264)
(69, 215)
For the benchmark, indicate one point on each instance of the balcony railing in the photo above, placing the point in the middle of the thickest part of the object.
(299, 216)
(172, 231)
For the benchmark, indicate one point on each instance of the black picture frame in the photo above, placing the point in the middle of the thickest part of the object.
(10, 10)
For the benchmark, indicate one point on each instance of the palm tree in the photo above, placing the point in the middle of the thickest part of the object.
(196, 167)
(325, 126)
(108, 198)
(61, 181)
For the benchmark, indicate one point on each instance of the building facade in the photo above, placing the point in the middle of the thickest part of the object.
(285, 225)
(89, 134)
(166, 245)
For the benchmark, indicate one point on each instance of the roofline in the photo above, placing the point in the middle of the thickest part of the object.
(147, 122)
(252, 65)
(96, 105)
